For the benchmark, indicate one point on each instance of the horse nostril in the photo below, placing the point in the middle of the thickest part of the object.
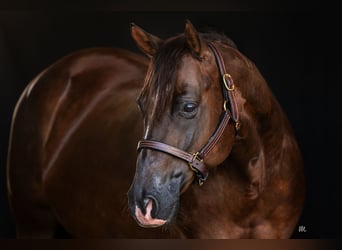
(150, 199)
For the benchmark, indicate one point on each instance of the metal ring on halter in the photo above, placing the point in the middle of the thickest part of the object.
(230, 88)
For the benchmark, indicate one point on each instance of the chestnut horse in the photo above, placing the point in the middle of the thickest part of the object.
(215, 154)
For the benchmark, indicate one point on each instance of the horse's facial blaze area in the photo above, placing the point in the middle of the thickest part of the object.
(146, 220)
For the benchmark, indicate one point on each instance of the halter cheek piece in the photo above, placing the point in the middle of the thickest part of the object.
(196, 160)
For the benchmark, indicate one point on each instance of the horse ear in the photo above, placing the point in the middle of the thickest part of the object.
(193, 39)
(147, 42)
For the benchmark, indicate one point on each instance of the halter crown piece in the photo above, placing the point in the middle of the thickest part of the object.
(196, 160)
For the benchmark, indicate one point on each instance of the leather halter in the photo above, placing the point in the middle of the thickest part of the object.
(196, 160)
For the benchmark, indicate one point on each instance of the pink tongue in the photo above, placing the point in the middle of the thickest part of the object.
(147, 220)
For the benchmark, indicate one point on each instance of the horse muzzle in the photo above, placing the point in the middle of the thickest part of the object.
(154, 205)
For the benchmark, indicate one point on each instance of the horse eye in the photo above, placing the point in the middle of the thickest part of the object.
(189, 107)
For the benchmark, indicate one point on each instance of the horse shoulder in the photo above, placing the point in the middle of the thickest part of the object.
(85, 97)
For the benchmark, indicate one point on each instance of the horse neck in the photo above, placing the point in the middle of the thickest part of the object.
(258, 144)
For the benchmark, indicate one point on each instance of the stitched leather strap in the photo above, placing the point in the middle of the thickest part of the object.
(228, 83)
(215, 138)
(192, 159)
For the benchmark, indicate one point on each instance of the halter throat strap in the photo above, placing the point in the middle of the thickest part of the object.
(230, 111)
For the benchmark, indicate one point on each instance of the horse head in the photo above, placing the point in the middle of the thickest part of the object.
(183, 110)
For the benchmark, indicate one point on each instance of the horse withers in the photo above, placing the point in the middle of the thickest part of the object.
(216, 154)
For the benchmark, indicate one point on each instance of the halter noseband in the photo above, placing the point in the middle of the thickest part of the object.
(196, 160)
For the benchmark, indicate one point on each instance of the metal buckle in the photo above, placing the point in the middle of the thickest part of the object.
(199, 176)
(195, 156)
(229, 88)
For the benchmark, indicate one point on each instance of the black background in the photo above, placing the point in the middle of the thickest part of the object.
(296, 49)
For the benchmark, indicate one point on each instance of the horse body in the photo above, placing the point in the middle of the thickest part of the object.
(69, 160)
(73, 148)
